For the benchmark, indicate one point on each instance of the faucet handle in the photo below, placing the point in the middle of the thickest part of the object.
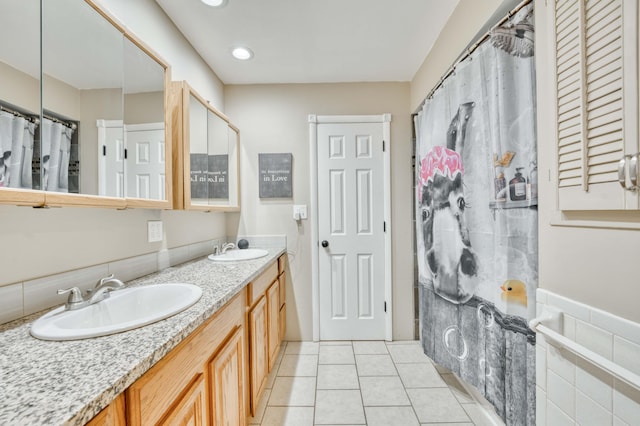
(103, 280)
(75, 295)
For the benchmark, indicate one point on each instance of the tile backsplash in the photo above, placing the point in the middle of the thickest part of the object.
(572, 391)
(20, 299)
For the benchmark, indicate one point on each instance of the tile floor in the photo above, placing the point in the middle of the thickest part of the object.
(363, 383)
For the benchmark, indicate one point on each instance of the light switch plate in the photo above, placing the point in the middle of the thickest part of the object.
(300, 211)
(154, 231)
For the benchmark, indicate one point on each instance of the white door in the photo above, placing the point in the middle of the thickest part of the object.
(110, 158)
(145, 166)
(351, 227)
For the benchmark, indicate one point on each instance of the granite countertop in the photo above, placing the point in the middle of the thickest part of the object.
(51, 382)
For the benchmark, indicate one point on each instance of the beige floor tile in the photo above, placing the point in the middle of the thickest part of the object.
(478, 415)
(298, 365)
(332, 376)
(293, 391)
(308, 348)
(375, 365)
(262, 406)
(271, 377)
(407, 354)
(457, 388)
(335, 343)
(390, 416)
(403, 342)
(423, 375)
(383, 391)
(288, 416)
(339, 407)
(369, 348)
(436, 405)
(336, 355)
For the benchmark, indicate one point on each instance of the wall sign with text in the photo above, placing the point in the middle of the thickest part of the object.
(275, 177)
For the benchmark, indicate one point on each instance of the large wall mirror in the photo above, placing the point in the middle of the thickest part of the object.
(210, 145)
(100, 132)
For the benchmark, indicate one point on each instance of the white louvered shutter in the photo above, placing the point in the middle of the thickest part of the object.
(592, 78)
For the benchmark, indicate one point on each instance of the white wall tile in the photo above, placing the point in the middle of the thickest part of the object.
(571, 307)
(595, 383)
(569, 327)
(200, 249)
(134, 267)
(562, 393)
(557, 417)
(541, 406)
(541, 295)
(178, 255)
(595, 339)
(626, 403)
(626, 354)
(618, 422)
(42, 293)
(263, 241)
(589, 413)
(11, 306)
(541, 367)
(561, 362)
(616, 325)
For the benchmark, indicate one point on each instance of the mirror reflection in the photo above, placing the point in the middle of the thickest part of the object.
(19, 92)
(97, 126)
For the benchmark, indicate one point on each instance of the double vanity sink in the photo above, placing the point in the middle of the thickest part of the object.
(68, 373)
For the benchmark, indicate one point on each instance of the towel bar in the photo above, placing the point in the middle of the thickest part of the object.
(599, 361)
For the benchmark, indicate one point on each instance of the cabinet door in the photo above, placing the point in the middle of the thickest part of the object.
(273, 302)
(596, 74)
(227, 381)
(112, 415)
(191, 409)
(259, 362)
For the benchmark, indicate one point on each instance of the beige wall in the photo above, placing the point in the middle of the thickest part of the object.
(273, 118)
(19, 89)
(40, 242)
(598, 267)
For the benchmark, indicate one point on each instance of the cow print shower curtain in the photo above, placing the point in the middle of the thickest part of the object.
(476, 216)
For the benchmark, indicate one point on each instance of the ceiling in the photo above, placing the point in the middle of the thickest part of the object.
(305, 41)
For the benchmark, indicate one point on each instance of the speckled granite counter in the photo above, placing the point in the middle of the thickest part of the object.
(52, 383)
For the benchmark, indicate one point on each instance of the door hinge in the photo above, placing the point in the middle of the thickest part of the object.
(385, 306)
(125, 154)
(383, 146)
(104, 150)
(384, 226)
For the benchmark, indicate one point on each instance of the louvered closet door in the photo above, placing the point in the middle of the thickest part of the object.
(596, 82)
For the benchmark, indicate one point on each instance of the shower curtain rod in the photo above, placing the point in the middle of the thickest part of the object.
(72, 126)
(471, 49)
(19, 114)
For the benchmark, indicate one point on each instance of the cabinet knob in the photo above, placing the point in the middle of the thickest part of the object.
(622, 176)
(633, 171)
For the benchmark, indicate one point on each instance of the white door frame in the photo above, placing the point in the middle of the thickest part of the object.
(314, 120)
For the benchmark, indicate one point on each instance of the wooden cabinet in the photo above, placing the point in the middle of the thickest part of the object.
(171, 389)
(273, 315)
(259, 358)
(227, 372)
(594, 51)
(266, 326)
(191, 409)
(112, 415)
(282, 279)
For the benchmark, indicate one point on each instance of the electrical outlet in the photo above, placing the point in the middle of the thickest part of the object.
(154, 231)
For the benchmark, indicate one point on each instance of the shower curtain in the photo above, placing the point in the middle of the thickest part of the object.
(55, 151)
(476, 218)
(16, 150)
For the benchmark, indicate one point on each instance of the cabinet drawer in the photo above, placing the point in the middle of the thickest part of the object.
(157, 390)
(259, 286)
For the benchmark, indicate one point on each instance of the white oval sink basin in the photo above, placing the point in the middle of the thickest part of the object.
(237, 255)
(125, 309)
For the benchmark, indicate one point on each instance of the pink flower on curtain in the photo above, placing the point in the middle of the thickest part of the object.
(441, 160)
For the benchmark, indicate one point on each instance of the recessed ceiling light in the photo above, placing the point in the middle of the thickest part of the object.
(242, 53)
(215, 3)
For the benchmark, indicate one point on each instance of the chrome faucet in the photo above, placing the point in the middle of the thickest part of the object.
(227, 246)
(100, 292)
(103, 287)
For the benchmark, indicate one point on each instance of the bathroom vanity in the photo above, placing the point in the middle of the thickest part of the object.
(205, 365)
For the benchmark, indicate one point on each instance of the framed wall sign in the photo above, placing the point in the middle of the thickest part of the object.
(275, 177)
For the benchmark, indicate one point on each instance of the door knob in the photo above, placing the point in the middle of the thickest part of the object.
(325, 243)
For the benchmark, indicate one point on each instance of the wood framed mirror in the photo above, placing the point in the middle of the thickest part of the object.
(206, 148)
(101, 137)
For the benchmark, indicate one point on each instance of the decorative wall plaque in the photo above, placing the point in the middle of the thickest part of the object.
(275, 175)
